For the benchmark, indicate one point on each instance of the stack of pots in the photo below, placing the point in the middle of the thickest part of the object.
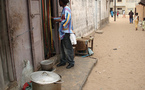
(46, 79)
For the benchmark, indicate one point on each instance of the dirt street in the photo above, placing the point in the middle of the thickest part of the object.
(124, 67)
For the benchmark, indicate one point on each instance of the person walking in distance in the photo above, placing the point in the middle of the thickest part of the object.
(112, 13)
(117, 13)
(124, 16)
(136, 19)
(131, 16)
(67, 55)
(143, 24)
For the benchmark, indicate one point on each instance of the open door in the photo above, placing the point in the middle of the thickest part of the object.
(36, 32)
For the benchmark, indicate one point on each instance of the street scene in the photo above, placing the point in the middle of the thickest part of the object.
(72, 45)
(120, 51)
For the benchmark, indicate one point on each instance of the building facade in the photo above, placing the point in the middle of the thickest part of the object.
(124, 5)
(140, 9)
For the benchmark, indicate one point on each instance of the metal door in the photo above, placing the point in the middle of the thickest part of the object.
(36, 32)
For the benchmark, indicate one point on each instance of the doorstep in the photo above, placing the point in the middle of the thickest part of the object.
(75, 78)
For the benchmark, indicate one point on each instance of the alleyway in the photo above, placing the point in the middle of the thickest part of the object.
(121, 69)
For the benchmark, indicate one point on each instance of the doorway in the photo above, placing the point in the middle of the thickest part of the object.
(6, 69)
(49, 34)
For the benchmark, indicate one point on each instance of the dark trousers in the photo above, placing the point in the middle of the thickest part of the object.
(67, 54)
(131, 20)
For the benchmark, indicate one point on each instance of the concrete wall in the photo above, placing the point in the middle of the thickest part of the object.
(123, 3)
(130, 6)
(83, 14)
(18, 24)
(20, 39)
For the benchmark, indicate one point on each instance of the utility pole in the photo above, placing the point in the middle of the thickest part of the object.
(114, 10)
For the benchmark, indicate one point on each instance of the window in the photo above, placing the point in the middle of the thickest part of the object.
(132, 1)
(111, 0)
(119, 8)
(129, 9)
(119, 0)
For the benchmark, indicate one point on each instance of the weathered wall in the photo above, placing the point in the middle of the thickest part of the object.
(104, 12)
(25, 33)
(83, 16)
(84, 12)
(130, 6)
(18, 28)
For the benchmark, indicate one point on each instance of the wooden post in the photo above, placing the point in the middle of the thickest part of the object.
(114, 10)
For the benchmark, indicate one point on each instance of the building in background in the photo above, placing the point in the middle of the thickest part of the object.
(124, 5)
(140, 9)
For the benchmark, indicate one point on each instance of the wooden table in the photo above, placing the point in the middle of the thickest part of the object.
(83, 44)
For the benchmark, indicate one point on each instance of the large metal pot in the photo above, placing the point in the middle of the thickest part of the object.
(47, 65)
(44, 80)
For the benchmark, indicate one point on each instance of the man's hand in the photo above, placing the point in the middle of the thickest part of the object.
(55, 20)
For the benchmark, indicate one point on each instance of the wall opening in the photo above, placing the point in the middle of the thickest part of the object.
(48, 28)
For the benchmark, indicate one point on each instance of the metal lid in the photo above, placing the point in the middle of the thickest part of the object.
(44, 77)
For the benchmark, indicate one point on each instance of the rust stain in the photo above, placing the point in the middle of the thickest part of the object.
(16, 21)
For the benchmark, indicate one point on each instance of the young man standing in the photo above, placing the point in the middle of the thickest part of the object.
(67, 54)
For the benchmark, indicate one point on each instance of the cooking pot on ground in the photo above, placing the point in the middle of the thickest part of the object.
(44, 80)
(47, 65)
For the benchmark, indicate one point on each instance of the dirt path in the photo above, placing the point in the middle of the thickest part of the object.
(121, 69)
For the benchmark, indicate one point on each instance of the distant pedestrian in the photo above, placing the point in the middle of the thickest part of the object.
(112, 13)
(131, 16)
(124, 16)
(136, 19)
(117, 13)
(143, 24)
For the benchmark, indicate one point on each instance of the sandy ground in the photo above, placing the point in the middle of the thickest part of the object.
(121, 69)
